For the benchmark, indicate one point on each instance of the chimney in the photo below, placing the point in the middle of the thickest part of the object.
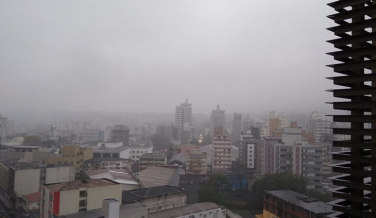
(110, 208)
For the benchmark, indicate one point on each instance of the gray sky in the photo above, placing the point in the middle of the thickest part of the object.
(145, 56)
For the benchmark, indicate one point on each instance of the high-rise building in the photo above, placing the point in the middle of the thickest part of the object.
(3, 122)
(218, 119)
(222, 150)
(236, 129)
(250, 152)
(320, 126)
(292, 153)
(247, 123)
(183, 118)
(121, 134)
(356, 53)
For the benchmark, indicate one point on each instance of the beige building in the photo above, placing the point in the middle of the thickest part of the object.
(222, 151)
(196, 163)
(26, 178)
(74, 155)
(75, 196)
(150, 159)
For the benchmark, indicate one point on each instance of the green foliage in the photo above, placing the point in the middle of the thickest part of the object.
(32, 140)
(325, 197)
(281, 181)
(210, 192)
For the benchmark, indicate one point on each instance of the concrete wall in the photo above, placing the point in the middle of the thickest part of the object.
(163, 202)
(27, 181)
(95, 196)
(60, 174)
(69, 202)
(4, 177)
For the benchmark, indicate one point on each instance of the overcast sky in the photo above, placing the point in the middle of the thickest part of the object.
(149, 56)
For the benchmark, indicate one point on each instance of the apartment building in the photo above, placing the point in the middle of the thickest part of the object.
(72, 197)
(150, 159)
(292, 153)
(286, 203)
(222, 150)
(196, 163)
(73, 155)
(107, 163)
(126, 152)
(250, 152)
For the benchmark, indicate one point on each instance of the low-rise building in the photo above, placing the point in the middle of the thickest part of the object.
(29, 203)
(75, 196)
(150, 159)
(107, 163)
(26, 178)
(112, 209)
(122, 176)
(157, 198)
(204, 209)
(125, 152)
(196, 163)
(72, 154)
(90, 135)
(286, 203)
(110, 144)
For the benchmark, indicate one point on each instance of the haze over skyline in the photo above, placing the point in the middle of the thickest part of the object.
(149, 56)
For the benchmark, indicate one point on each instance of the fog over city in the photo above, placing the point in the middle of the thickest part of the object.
(149, 56)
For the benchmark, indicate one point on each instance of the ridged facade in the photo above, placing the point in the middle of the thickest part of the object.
(356, 56)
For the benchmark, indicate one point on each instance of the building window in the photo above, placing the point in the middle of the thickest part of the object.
(83, 194)
(82, 203)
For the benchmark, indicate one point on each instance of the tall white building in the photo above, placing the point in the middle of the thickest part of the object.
(319, 125)
(218, 119)
(183, 118)
(3, 122)
(236, 128)
(222, 151)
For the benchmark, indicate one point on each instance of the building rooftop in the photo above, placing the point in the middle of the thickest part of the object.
(182, 158)
(72, 185)
(105, 159)
(317, 207)
(105, 148)
(157, 176)
(16, 165)
(185, 210)
(33, 197)
(137, 195)
(122, 176)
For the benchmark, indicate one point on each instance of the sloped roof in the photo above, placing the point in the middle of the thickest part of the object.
(138, 195)
(33, 197)
(122, 176)
(178, 157)
(157, 176)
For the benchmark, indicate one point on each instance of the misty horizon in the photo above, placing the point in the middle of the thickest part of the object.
(124, 57)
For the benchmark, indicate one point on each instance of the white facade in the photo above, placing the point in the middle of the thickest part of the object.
(89, 135)
(110, 144)
(251, 155)
(136, 152)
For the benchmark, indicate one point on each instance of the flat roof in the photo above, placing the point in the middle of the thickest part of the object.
(317, 207)
(184, 210)
(105, 159)
(138, 195)
(77, 184)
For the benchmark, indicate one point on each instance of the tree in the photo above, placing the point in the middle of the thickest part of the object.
(281, 181)
(32, 140)
(325, 197)
(210, 192)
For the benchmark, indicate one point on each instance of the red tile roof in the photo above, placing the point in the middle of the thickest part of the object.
(33, 197)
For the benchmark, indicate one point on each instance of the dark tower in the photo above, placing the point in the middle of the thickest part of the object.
(356, 53)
